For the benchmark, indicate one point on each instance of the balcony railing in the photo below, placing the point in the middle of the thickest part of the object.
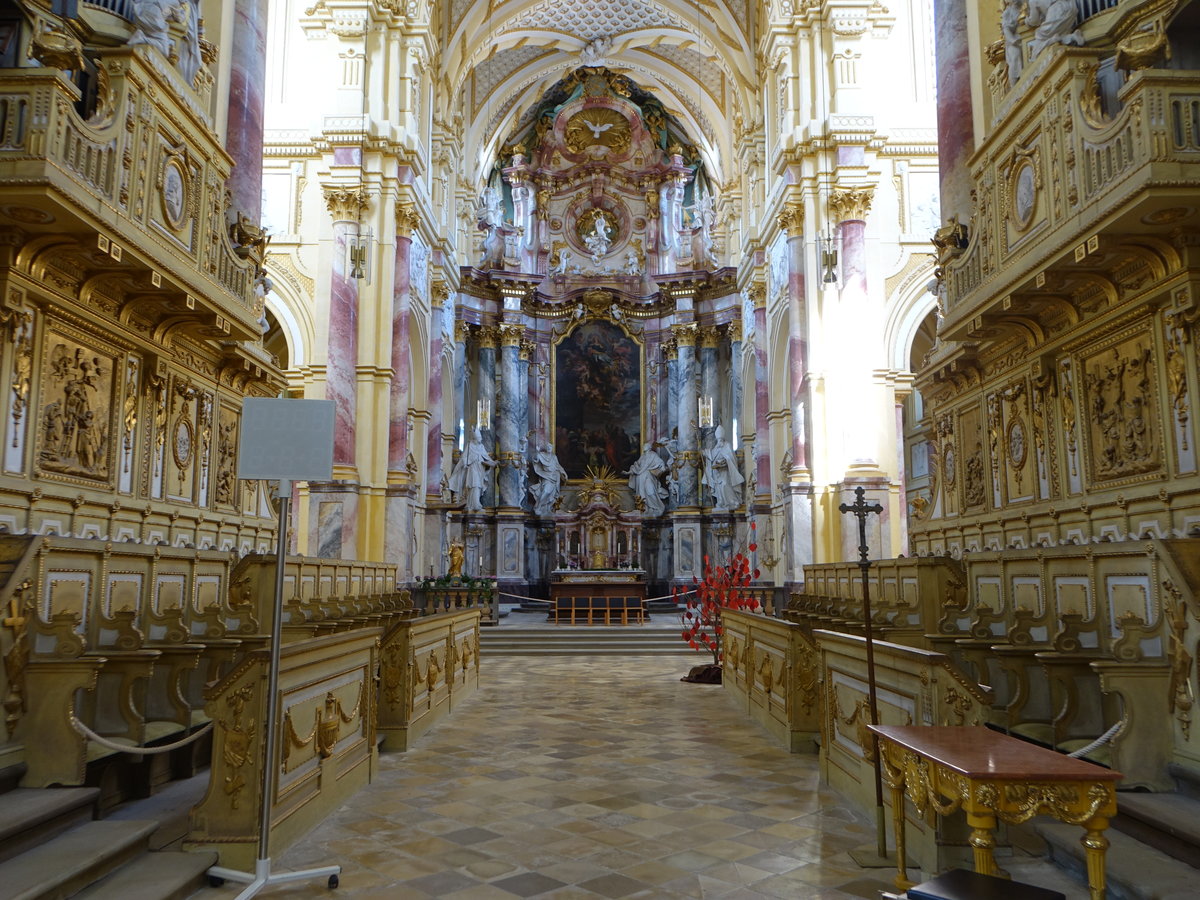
(115, 162)
(1081, 168)
(122, 8)
(1089, 8)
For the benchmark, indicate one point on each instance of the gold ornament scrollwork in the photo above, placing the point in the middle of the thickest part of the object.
(20, 329)
(20, 614)
(237, 743)
(1181, 695)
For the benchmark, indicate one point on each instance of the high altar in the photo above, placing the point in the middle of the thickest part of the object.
(600, 325)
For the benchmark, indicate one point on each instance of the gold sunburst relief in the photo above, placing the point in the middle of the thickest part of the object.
(598, 126)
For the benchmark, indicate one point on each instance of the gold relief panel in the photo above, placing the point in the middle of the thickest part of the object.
(75, 429)
(972, 464)
(225, 484)
(1123, 423)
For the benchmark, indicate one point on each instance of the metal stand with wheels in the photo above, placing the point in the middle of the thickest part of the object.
(262, 876)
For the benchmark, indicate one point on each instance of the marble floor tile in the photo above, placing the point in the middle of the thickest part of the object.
(565, 778)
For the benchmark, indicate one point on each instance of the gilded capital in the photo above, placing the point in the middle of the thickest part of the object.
(408, 219)
(489, 337)
(685, 335)
(710, 337)
(851, 204)
(462, 331)
(527, 349)
(735, 331)
(510, 335)
(670, 349)
(791, 220)
(346, 202)
(758, 295)
(441, 291)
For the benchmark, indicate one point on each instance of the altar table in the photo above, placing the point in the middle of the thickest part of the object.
(992, 776)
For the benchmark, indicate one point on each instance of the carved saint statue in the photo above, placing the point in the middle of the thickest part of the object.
(1055, 22)
(1014, 52)
(722, 473)
(644, 480)
(470, 475)
(491, 216)
(455, 563)
(552, 475)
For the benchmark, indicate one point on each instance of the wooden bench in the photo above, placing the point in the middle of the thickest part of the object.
(592, 610)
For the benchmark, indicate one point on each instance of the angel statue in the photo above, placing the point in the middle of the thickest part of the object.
(598, 241)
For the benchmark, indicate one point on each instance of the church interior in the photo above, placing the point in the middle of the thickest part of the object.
(865, 329)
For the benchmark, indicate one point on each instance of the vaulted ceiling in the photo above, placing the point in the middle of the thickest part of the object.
(697, 56)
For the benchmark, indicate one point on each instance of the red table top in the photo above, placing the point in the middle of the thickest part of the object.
(979, 752)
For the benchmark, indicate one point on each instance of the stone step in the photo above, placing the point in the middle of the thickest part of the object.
(1168, 822)
(1135, 871)
(70, 862)
(548, 639)
(165, 875)
(32, 816)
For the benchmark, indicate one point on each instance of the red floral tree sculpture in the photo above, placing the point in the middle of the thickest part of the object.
(723, 587)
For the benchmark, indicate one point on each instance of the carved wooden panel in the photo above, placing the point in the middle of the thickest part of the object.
(1121, 399)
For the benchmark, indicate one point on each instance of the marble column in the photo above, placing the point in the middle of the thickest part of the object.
(689, 452)
(399, 390)
(333, 507)
(669, 406)
(955, 113)
(762, 398)
(437, 426)
(341, 377)
(244, 126)
(489, 337)
(848, 207)
(508, 417)
(736, 420)
(460, 425)
(792, 221)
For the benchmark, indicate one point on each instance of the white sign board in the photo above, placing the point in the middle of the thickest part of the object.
(290, 440)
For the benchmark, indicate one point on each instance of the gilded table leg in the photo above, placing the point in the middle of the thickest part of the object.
(1095, 844)
(983, 839)
(902, 882)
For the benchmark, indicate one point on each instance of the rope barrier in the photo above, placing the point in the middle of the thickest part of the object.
(1098, 742)
(140, 751)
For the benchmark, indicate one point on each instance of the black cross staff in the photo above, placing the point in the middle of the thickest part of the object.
(861, 509)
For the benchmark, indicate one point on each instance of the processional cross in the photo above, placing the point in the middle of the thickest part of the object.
(861, 509)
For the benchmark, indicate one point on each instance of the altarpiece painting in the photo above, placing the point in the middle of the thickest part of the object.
(598, 399)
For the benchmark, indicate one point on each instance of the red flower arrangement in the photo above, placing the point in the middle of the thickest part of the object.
(723, 587)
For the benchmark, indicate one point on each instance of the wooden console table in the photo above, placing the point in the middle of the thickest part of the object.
(991, 777)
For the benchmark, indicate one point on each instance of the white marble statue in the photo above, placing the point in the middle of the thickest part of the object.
(722, 472)
(1014, 50)
(598, 241)
(644, 480)
(189, 49)
(470, 475)
(632, 266)
(552, 476)
(151, 20)
(490, 214)
(563, 264)
(1055, 21)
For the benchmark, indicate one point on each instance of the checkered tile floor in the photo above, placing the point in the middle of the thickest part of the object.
(593, 777)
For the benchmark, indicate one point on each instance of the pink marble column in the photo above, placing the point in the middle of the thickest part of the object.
(762, 399)
(853, 260)
(401, 366)
(341, 368)
(433, 440)
(956, 136)
(244, 129)
(798, 348)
